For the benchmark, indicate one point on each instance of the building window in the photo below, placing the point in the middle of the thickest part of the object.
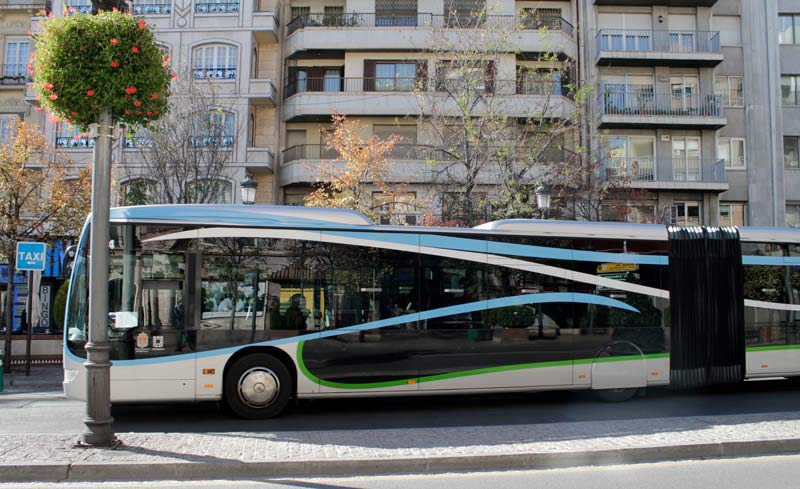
(7, 123)
(213, 130)
(151, 7)
(399, 209)
(730, 88)
(394, 13)
(395, 77)
(791, 153)
(138, 138)
(453, 76)
(210, 191)
(455, 207)
(215, 61)
(793, 215)
(298, 11)
(686, 213)
(79, 6)
(732, 151)
(731, 214)
(16, 61)
(138, 191)
(789, 29)
(405, 148)
(70, 137)
(789, 84)
(217, 7)
(631, 157)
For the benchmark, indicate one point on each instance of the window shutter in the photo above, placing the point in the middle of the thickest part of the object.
(369, 76)
(291, 88)
(522, 74)
(422, 75)
(315, 78)
(491, 71)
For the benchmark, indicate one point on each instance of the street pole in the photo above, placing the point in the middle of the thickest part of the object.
(98, 432)
(29, 329)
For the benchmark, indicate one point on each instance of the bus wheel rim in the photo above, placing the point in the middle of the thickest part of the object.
(259, 387)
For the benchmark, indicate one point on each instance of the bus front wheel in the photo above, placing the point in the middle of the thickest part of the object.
(615, 395)
(258, 386)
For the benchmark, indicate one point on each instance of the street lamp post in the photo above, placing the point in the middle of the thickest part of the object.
(248, 188)
(543, 199)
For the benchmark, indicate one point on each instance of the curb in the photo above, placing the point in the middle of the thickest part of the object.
(99, 471)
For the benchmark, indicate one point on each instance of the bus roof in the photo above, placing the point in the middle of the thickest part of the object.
(241, 215)
(317, 217)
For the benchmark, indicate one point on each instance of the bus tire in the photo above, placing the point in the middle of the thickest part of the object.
(258, 386)
(615, 395)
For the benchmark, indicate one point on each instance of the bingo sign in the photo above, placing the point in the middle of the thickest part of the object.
(31, 256)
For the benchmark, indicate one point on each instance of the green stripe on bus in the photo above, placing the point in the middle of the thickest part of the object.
(753, 349)
(465, 373)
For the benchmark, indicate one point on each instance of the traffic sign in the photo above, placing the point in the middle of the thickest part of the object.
(31, 256)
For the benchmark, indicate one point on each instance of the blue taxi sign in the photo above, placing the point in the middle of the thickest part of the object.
(31, 256)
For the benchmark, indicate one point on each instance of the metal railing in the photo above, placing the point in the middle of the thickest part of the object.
(137, 142)
(663, 169)
(214, 73)
(14, 74)
(628, 40)
(427, 20)
(151, 8)
(211, 141)
(402, 151)
(216, 8)
(642, 101)
(73, 142)
(408, 85)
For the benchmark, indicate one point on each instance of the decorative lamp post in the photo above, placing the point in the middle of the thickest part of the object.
(248, 188)
(543, 199)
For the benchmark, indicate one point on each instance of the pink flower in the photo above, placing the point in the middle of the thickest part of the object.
(142, 25)
(38, 109)
(53, 96)
(137, 103)
(114, 41)
(154, 96)
(135, 50)
(89, 92)
(127, 112)
(48, 86)
(114, 64)
(130, 90)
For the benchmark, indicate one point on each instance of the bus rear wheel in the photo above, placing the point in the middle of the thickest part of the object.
(615, 395)
(258, 386)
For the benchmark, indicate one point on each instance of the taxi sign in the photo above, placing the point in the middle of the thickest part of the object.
(617, 267)
(31, 256)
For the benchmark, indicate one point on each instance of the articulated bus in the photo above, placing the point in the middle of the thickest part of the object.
(261, 305)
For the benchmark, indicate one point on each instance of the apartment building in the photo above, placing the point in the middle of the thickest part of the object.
(695, 102)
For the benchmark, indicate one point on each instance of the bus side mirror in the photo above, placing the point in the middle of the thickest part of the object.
(69, 261)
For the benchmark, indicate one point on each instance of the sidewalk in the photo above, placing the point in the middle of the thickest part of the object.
(49, 377)
(142, 456)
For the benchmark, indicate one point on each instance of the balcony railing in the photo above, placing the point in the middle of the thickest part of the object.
(400, 151)
(14, 75)
(74, 142)
(216, 8)
(639, 41)
(427, 20)
(214, 73)
(664, 169)
(151, 8)
(644, 102)
(408, 85)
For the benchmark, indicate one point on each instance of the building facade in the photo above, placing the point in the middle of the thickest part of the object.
(695, 102)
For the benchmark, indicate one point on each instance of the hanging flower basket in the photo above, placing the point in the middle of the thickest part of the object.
(83, 64)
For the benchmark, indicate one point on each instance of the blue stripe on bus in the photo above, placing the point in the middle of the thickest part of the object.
(771, 260)
(517, 300)
(496, 247)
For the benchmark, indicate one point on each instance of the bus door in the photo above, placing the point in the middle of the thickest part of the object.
(151, 351)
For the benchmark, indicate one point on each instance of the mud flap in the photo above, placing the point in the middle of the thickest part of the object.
(706, 307)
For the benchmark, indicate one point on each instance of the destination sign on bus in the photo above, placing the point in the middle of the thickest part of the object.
(617, 267)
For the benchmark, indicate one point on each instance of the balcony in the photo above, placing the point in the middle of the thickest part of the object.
(660, 3)
(640, 107)
(261, 92)
(14, 76)
(33, 5)
(319, 97)
(666, 173)
(259, 159)
(414, 31)
(410, 162)
(624, 47)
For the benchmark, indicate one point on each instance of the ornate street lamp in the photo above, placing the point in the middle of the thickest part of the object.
(543, 199)
(248, 188)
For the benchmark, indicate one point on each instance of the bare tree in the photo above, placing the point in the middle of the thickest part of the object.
(502, 123)
(184, 157)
